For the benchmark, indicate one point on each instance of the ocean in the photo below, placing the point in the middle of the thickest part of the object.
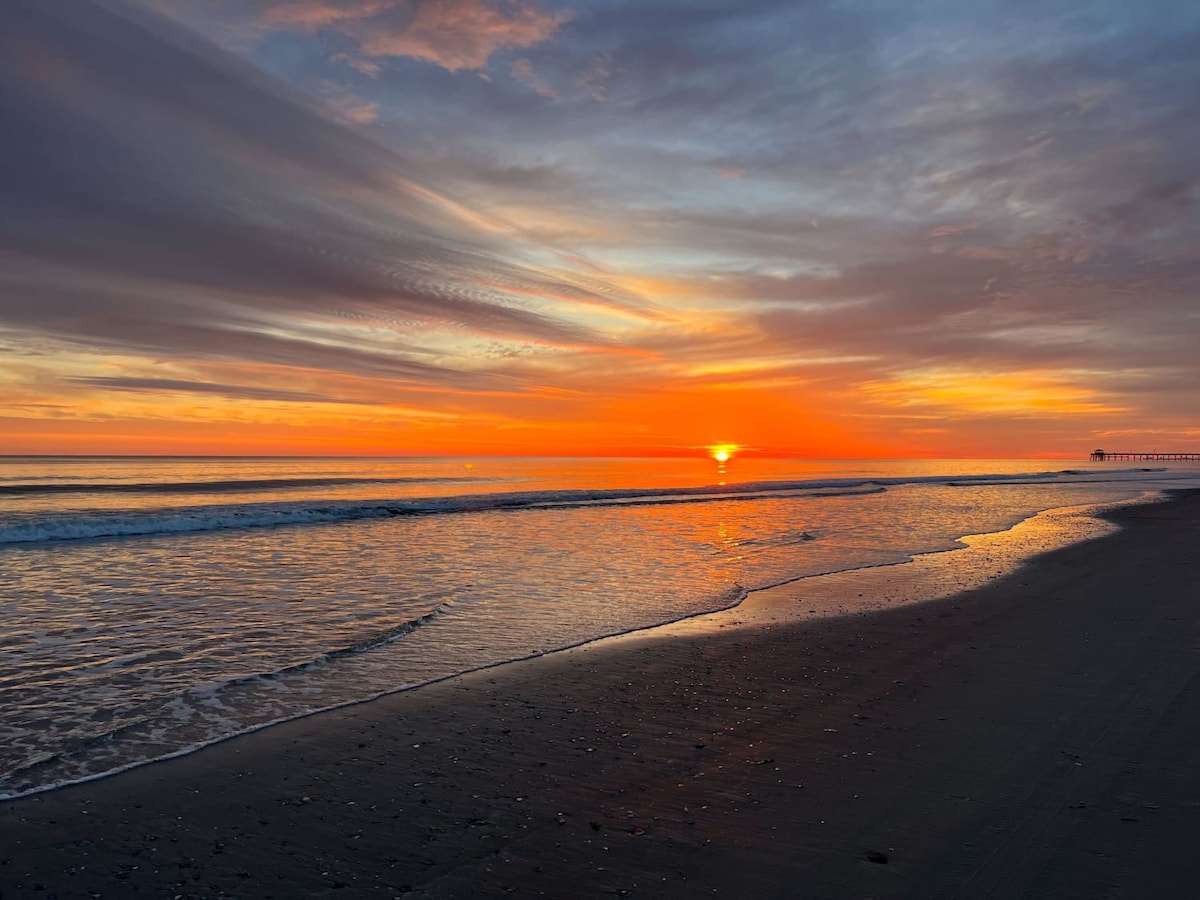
(152, 606)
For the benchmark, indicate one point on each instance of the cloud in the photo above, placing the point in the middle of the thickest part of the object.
(522, 71)
(162, 196)
(234, 391)
(453, 34)
(313, 15)
(597, 77)
(353, 110)
(1155, 207)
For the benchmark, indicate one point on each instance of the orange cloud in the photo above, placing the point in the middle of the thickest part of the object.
(454, 34)
(313, 15)
(963, 392)
(463, 34)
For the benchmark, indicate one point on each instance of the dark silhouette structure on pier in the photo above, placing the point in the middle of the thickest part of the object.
(1102, 455)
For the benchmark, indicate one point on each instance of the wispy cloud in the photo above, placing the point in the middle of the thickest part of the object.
(234, 391)
(214, 208)
(522, 71)
(453, 34)
(597, 78)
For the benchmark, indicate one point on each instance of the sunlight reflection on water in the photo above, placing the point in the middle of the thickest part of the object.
(123, 649)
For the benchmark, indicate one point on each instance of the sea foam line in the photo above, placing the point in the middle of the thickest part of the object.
(42, 527)
(23, 528)
(64, 486)
(730, 598)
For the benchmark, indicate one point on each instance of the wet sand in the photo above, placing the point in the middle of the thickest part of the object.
(1037, 736)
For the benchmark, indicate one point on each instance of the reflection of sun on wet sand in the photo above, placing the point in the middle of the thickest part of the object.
(1031, 737)
(929, 576)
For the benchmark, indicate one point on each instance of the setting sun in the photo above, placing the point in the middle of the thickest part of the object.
(723, 452)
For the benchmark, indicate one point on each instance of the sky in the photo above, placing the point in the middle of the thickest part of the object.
(815, 228)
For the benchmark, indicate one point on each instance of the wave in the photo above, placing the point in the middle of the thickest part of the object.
(90, 525)
(43, 527)
(27, 777)
(26, 488)
(148, 712)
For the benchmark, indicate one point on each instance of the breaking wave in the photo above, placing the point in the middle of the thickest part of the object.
(39, 527)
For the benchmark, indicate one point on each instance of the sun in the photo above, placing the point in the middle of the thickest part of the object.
(723, 452)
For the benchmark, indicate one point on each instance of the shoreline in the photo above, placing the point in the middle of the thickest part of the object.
(922, 578)
(682, 755)
(933, 575)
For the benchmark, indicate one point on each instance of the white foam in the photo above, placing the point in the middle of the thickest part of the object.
(24, 528)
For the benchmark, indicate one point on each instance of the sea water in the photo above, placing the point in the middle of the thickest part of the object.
(150, 606)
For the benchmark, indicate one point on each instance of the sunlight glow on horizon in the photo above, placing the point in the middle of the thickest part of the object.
(722, 453)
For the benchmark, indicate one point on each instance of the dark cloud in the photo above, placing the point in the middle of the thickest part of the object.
(1157, 206)
(234, 391)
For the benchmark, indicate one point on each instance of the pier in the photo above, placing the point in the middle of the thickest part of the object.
(1102, 455)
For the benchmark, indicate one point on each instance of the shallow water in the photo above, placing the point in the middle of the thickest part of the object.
(150, 606)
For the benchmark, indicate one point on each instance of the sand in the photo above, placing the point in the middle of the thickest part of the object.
(1036, 736)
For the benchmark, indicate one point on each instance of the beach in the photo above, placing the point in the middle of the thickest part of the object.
(1032, 736)
(155, 606)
